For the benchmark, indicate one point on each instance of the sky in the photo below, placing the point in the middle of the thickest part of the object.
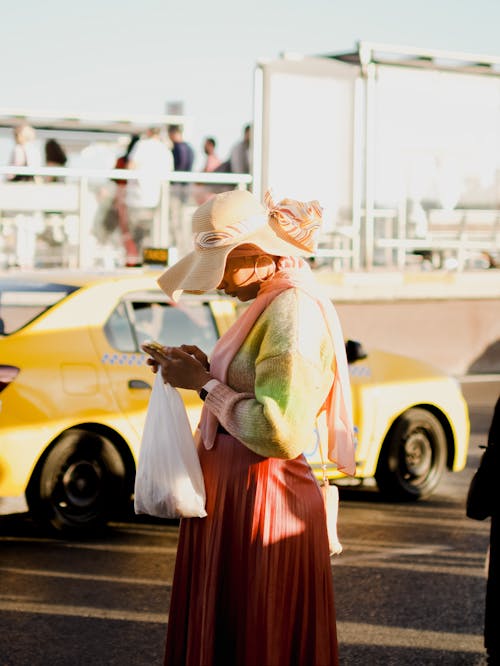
(135, 56)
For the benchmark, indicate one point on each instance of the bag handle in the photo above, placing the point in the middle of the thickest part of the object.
(323, 463)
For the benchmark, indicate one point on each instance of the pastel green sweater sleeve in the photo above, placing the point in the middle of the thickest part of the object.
(290, 353)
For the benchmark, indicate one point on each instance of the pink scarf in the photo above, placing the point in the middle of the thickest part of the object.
(293, 273)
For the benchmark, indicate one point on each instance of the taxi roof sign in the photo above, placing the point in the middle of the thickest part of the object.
(155, 255)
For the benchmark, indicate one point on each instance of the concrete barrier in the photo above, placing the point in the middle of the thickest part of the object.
(451, 320)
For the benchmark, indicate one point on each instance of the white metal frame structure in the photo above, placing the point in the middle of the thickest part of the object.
(457, 231)
(382, 229)
(71, 203)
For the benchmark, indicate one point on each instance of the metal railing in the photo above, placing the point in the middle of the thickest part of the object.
(56, 217)
(457, 238)
(63, 223)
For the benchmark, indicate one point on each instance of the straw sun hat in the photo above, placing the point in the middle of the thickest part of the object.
(235, 218)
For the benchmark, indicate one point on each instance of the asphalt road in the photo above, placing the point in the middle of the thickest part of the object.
(409, 584)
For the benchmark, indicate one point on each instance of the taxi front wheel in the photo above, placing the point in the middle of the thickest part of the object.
(81, 483)
(413, 456)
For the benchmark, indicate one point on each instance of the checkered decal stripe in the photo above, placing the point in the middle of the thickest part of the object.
(123, 359)
(360, 371)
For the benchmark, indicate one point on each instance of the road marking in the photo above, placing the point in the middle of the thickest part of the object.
(354, 633)
(82, 576)
(386, 546)
(81, 611)
(440, 559)
(115, 548)
(396, 519)
(348, 632)
(30, 540)
(147, 530)
(370, 549)
(378, 563)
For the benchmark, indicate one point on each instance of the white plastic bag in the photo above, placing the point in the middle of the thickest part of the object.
(169, 481)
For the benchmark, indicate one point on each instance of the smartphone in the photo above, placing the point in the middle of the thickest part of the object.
(153, 344)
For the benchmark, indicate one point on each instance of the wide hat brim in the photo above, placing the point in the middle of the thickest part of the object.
(203, 269)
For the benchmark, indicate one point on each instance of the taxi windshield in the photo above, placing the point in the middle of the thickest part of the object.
(22, 301)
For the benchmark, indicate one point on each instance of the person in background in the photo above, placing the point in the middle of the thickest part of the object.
(212, 160)
(120, 207)
(180, 192)
(492, 607)
(152, 159)
(25, 152)
(54, 157)
(181, 150)
(237, 162)
(483, 501)
(201, 192)
(239, 159)
(123, 160)
(253, 580)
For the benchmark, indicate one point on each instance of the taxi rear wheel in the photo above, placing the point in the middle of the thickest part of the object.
(413, 456)
(81, 483)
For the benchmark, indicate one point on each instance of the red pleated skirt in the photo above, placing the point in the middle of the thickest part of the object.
(253, 583)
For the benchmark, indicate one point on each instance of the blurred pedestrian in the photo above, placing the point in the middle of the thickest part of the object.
(240, 159)
(153, 161)
(201, 192)
(180, 192)
(123, 160)
(253, 581)
(181, 150)
(492, 609)
(237, 162)
(26, 152)
(483, 500)
(120, 208)
(55, 156)
(212, 160)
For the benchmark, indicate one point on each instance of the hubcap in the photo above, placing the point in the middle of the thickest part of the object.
(81, 483)
(417, 456)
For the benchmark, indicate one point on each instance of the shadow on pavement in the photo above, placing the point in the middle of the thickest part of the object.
(21, 525)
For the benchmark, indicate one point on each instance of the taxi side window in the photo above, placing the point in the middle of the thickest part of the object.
(119, 331)
(175, 325)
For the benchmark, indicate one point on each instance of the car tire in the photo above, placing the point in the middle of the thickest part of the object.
(413, 456)
(81, 483)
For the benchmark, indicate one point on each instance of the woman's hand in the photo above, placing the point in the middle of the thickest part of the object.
(197, 353)
(178, 367)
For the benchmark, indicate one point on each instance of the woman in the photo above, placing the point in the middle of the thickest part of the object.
(54, 157)
(252, 582)
(118, 211)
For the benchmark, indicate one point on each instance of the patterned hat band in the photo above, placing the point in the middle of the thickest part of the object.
(228, 235)
(295, 222)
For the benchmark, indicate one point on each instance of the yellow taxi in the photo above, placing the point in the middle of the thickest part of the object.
(74, 389)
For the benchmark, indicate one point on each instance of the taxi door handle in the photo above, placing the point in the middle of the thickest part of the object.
(138, 384)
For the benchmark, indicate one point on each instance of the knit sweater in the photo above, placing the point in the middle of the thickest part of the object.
(279, 379)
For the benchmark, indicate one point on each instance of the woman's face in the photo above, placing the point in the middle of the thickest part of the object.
(244, 274)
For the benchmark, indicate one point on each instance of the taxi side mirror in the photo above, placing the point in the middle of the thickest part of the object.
(355, 351)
